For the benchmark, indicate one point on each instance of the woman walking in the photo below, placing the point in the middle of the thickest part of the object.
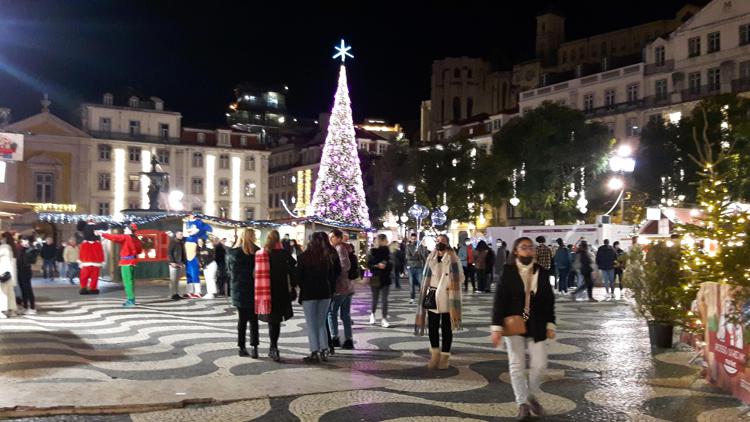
(342, 297)
(318, 269)
(524, 312)
(26, 257)
(483, 266)
(275, 288)
(241, 267)
(584, 263)
(8, 275)
(440, 301)
(381, 267)
(70, 256)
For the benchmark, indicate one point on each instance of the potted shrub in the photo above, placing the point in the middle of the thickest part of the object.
(656, 283)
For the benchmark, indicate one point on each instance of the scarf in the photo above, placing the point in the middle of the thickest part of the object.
(530, 280)
(454, 292)
(262, 283)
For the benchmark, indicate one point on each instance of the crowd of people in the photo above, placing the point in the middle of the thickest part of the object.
(264, 281)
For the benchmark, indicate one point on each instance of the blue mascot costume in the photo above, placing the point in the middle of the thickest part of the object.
(195, 229)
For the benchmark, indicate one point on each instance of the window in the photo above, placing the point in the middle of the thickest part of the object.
(457, 73)
(134, 154)
(104, 208)
(250, 189)
(277, 200)
(745, 70)
(381, 148)
(105, 124)
(660, 87)
(224, 187)
(456, 108)
(545, 79)
(270, 200)
(745, 34)
(243, 140)
(714, 42)
(694, 82)
(197, 209)
(469, 106)
(224, 140)
(105, 152)
(134, 127)
(610, 128)
(631, 127)
(633, 92)
(133, 204)
(201, 138)
(468, 73)
(164, 130)
(249, 213)
(605, 63)
(104, 181)
(694, 47)
(714, 79)
(134, 183)
(223, 212)
(250, 163)
(163, 156)
(196, 186)
(224, 161)
(133, 102)
(198, 159)
(588, 102)
(496, 124)
(609, 98)
(44, 187)
(660, 55)
(108, 99)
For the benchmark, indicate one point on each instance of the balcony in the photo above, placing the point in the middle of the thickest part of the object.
(151, 139)
(614, 109)
(652, 68)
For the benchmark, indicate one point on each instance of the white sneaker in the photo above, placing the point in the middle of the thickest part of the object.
(384, 323)
(209, 296)
(372, 319)
(411, 301)
(31, 312)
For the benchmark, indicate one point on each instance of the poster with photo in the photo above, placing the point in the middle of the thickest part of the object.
(11, 147)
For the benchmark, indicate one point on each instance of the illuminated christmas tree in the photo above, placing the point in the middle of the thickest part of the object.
(714, 245)
(339, 194)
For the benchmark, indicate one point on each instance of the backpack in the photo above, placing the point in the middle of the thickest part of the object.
(354, 271)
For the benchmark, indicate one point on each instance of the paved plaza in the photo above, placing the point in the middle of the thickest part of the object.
(88, 359)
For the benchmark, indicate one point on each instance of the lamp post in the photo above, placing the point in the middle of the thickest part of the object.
(621, 162)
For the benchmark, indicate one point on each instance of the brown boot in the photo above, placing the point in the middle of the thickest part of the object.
(434, 358)
(444, 357)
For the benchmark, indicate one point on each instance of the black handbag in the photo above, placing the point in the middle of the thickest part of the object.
(4, 277)
(430, 300)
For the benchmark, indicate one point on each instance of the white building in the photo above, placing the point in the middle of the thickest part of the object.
(708, 55)
(98, 169)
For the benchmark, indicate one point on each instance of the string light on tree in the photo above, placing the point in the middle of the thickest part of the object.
(514, 200)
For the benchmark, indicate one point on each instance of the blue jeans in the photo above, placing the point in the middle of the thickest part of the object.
(315, 318)
(608, 277)
(343, 303)
(48, 268)
(562, 279)
(415, 279)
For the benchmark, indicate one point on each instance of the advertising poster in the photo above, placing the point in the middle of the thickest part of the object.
(11, 147)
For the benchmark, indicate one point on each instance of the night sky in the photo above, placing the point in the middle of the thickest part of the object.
(193, 55)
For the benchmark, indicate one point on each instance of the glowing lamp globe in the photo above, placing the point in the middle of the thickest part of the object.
(515, 201)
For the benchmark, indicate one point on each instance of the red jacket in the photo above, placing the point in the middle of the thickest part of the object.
(130, 247)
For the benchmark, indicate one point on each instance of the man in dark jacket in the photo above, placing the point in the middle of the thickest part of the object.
(605, 260)
(177, 259)
(49, 253)
(222, 280)
(416, 254)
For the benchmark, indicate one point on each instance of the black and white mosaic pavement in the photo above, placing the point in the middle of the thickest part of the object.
(601, 366)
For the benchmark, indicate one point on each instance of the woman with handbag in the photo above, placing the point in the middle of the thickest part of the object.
(275, 288)
(524, 313)
(440, 301)
(379, 263)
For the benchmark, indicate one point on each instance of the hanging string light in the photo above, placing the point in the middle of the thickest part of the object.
(514, 179)
(582, 202)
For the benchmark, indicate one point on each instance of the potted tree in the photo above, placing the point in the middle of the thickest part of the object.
(656, 283)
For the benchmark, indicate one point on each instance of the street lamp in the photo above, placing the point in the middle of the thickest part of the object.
(621, 162)
(400, 188)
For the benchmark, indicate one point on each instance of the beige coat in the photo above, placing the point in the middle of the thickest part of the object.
(441, 279)
(70, 253)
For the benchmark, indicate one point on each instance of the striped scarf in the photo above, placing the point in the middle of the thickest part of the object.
(454, 293)
(262, 283)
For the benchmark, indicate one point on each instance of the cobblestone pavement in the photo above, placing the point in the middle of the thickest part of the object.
(600, 368)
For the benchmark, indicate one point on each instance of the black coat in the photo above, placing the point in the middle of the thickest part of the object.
(176, 251)
(283, 274)
(378, 255)
(510, 299)
(606, 257)
(49, 251)
(317, 282)
(220, 254)
(241, 269)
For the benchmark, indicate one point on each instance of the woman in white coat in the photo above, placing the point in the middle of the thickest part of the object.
(7, 265)
(439, 306)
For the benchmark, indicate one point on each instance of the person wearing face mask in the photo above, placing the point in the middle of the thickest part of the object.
(524, 313)
(440, 302)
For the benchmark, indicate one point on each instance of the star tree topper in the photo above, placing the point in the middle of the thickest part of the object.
(343, 51)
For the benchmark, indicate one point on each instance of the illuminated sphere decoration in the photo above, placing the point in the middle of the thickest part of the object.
(438, 217)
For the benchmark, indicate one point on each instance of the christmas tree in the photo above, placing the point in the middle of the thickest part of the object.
(339, 194)
(713, 246)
